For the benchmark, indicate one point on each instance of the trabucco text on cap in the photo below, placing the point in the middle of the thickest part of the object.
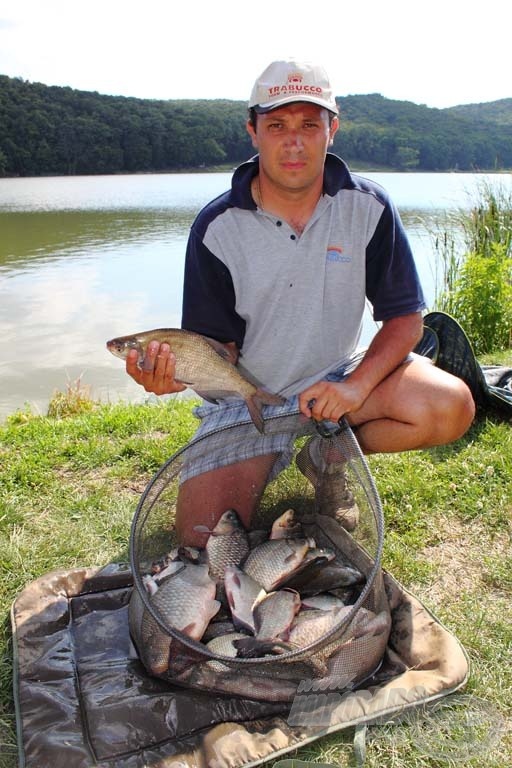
(284, 82)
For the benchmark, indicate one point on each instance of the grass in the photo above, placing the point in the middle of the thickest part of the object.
(71, 480)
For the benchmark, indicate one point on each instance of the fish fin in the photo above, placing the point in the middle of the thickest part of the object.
(191, 630)
(241, 625)
(230, 355)
(262, 594)
(207, 396)
(268, 398)
(215, 607)
(214, 395)
(255, 413)
(202, 529)
(256, 402)
(251, 647)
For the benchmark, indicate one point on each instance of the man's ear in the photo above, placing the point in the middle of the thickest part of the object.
(335, 124)
(252, 133)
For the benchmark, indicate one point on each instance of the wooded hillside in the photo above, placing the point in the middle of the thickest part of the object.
(46, 130)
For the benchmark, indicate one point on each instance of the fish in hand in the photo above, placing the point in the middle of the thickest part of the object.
(203, 364)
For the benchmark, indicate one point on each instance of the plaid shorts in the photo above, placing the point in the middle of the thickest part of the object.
(220, 447)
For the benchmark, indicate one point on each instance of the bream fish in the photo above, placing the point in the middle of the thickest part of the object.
(286, 526)
(273, 562)
(242, 592)
(203, 364)
(184, 601)
(273, 616)
(330, 576)
(227, 544)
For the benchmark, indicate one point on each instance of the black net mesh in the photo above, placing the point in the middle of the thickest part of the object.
(340, 620)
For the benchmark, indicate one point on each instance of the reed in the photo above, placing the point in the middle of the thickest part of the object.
(474, 268)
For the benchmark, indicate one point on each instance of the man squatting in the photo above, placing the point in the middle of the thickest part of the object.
(278, 268)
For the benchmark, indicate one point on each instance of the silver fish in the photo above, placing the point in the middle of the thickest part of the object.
(273, 617)
(314, 560)
(217, 628)
(185, 602)
(173, 567)
(324, 602)
(180, 553)
(203, 364)
(286, 526)
(311, 625)
(363, 649)
(223, 645)
(274, 613)
(329, 576)
(227, 544)
(242, 591)
(272, 563)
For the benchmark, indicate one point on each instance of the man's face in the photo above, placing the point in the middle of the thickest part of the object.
(292, 142)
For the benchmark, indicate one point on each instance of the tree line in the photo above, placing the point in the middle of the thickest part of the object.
(49, 130)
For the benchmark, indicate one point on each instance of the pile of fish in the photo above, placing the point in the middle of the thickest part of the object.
(250, 594)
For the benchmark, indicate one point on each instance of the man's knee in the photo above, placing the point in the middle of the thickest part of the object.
(453, 411)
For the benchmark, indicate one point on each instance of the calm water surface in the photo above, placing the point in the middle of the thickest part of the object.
(83, 259)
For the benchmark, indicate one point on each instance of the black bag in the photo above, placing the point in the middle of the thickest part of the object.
(447, 345)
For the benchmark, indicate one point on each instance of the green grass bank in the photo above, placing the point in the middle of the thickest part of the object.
(70, 483)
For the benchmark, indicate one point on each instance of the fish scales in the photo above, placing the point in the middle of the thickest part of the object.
(185, 602)
(227, 544)
(272, 562)
(242, 591)
(274, 613)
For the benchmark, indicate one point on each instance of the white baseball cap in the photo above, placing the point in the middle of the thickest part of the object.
(284, 82)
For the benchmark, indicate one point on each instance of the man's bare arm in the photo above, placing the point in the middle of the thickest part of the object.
(391, 344)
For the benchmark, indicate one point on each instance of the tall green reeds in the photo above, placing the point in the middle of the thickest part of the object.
(474, 264)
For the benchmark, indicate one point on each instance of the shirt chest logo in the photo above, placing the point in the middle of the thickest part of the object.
(335, 254)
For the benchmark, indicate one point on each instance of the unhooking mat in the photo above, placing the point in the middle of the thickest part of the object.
(84, 700)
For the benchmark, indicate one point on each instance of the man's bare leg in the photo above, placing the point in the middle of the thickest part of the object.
(204, 498)
(416, 406)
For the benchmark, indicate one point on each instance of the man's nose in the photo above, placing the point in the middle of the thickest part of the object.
(294, 139)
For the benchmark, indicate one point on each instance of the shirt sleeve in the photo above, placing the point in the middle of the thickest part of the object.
(209, 296)
(392, 282)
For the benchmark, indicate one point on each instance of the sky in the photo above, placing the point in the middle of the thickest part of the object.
(440, 53)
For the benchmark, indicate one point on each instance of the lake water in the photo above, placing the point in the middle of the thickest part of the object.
(83, 259)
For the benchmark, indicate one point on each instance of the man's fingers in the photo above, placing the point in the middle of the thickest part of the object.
(157, 371)
(148, 364)
(132, 365)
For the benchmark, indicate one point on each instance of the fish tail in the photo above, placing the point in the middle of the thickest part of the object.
(255, 403)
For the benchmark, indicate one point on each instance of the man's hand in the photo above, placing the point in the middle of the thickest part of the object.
(388, 349)
(330, 400)
(158, 369)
